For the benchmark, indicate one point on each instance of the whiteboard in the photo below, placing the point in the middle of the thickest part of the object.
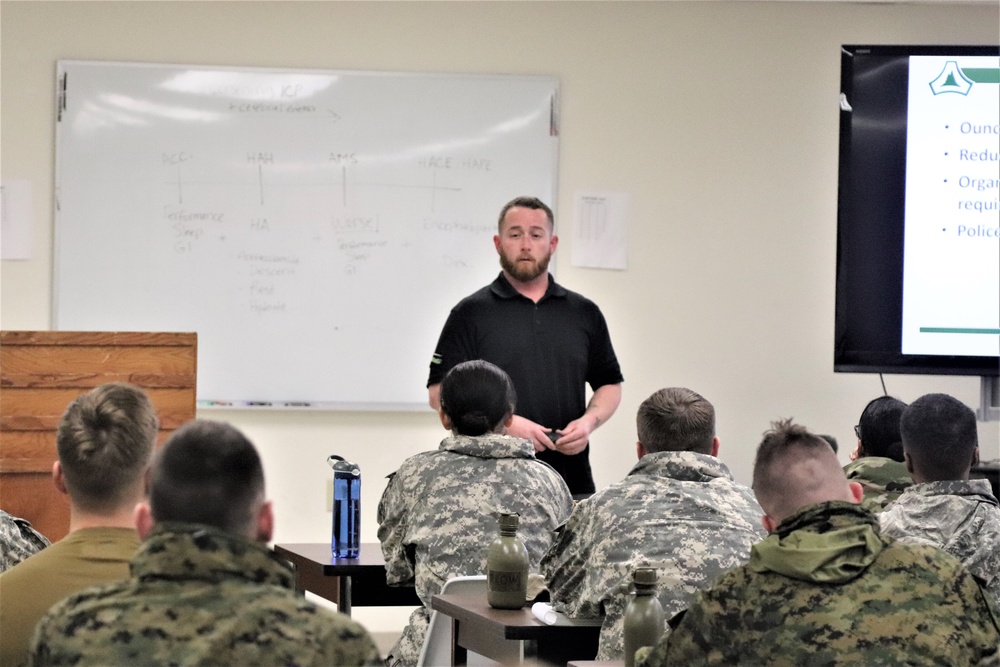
(313, 227)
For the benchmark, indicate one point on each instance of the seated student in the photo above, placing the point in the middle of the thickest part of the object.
(678, 510)
(944, 507)
(440, 510)
(104, 443)
(205, 588)
(825, 587)
(18, 540)
(877, 463)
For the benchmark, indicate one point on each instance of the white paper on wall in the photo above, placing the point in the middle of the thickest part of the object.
(600, 230)
(15, 219)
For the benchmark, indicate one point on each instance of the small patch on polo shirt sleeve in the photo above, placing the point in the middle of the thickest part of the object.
(436, 359)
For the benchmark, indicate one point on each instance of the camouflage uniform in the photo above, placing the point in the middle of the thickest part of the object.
(18, 540)
(680, 512)
(440, 511)
(882, 479)
(199, 596)
(828, 589)
(963, 518)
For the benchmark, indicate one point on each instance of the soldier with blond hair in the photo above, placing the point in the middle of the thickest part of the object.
(104, 442)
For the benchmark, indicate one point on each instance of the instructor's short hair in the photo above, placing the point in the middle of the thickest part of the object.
(676, 419)
(208, 472)
(478, 397)
(105, 441)
(939, 433)
(533, 203)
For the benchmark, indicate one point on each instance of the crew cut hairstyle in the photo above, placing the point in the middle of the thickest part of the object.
(208, 472)
(527, 202)
(879, 428)
(793, 468)
(939, 433)
(478, 397)
(105, 441)
(676, 419)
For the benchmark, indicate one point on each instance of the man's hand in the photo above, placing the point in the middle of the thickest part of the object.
(529, 430)
(576, 435)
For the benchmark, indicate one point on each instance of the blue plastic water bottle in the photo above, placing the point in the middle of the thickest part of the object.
(346, 542)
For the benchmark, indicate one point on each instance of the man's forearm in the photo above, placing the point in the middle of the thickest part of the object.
(603, 403)
(434, 396)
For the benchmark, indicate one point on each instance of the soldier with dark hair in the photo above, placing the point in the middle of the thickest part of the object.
(678, 510)
(205, 589)
(104, 443)
(826, 587)
(944, 507)
(877, 462)
(440, 510)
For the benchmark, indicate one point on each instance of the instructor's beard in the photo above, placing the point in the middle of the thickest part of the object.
(524, 271)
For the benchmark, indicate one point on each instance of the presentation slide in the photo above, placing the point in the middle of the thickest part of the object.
(951, 254)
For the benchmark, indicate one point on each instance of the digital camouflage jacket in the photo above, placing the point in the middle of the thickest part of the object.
(440, 511)
(961, 517)
(680, 512)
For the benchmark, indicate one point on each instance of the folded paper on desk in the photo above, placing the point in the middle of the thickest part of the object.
(544, 613)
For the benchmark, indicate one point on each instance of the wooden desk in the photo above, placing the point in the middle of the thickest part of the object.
(346, 581)
(478, 627)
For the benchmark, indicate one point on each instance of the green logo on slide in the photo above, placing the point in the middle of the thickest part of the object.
(955, 79)
(951, 80)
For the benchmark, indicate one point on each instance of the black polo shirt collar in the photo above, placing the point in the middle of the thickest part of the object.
(502, 288)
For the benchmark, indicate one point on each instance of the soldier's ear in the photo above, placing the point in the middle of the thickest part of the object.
(768, 523)
(857, 492)
(445, 420)
(908, 461)
(975, 457)
(142, 515)
(640, 450)
(58, 479)
(265, 522)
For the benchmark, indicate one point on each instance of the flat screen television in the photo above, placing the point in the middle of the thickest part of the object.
(918, 215)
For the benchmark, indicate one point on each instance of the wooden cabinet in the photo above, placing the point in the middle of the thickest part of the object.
(41, 372)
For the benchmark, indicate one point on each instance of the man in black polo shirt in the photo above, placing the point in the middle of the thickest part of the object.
(551, 342)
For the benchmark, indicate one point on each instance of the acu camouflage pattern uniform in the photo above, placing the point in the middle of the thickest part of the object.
(440, 512)
(680, 512)
(883, 479)
(18, 540)
(199, 596)
(961, 517)
(828, 589)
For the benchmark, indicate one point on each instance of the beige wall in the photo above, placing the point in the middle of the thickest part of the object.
(720, 119)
